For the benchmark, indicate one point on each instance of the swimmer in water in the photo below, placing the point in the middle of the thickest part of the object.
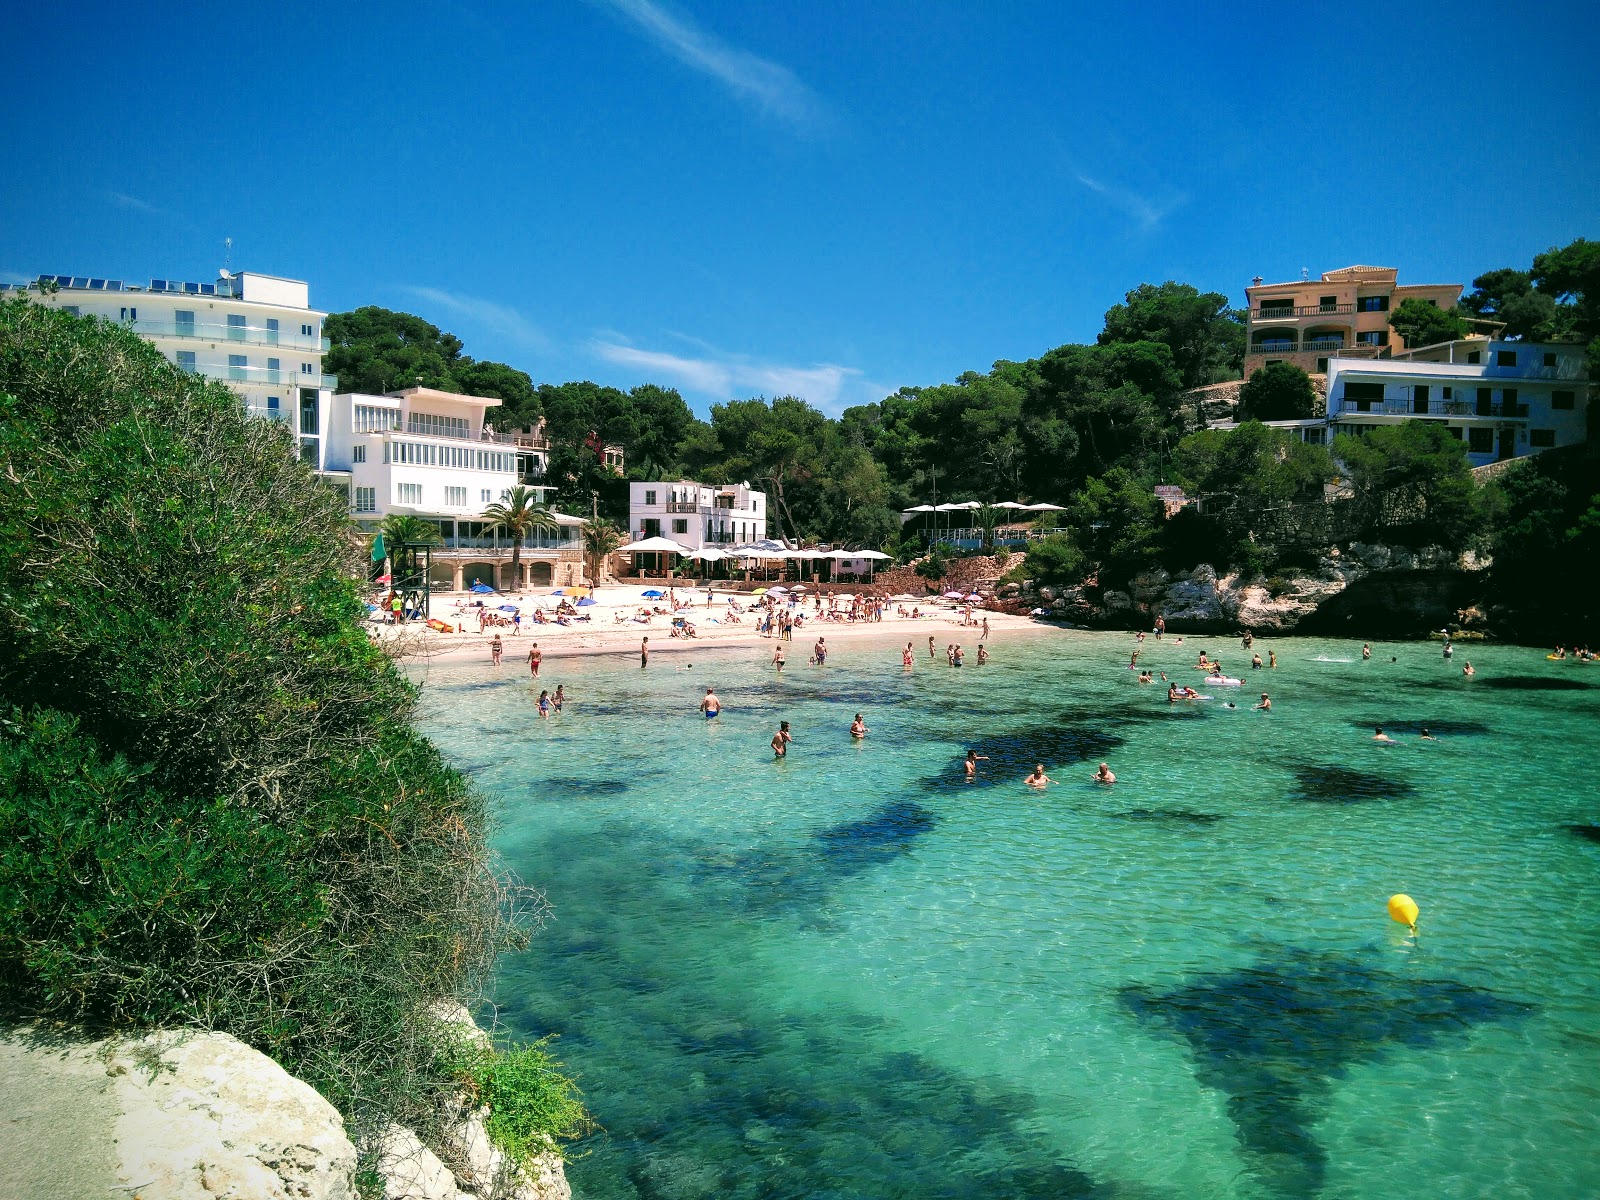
(1467, 670)
(560, 697)
(1366, 651)
(1426, 736)
(1266, 703)
(972, 761)
(1255, 662)
(1272, 660)
(1104, 775)
(983, 654)
(1038, 779)
(1378, 735)
(781, 740)
(905, 658)
(711, 706)
(858, 728)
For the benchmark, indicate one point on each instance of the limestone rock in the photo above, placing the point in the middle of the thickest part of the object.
(413, 1172)
(1116, 601)
(204, 1116)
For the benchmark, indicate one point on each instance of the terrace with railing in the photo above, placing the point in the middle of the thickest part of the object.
(1288, 312)
(1405, 407)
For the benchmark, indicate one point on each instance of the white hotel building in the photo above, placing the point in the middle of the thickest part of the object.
(257, 332)
(429, 454)
(697, 515)
(418, 451)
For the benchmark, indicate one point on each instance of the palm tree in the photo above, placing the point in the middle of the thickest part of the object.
(600, 538)
(988, 518)
(402, 528)
(520, 513)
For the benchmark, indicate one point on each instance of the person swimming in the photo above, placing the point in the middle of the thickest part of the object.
(1426, 736)
(1104, 775)
(781, 740)
(1038, 779)
(1378, 735)
(971, 763)
(1266, 703)
(858, 728)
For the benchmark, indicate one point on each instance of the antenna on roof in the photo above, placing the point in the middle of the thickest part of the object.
(1304, 274)
(227, 256)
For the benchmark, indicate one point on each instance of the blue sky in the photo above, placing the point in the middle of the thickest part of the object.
(826, 199)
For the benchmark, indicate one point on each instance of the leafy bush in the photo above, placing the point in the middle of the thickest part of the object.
(1279, 391)
(533, 1107)
(933, 568)
(1054, 561)
(213, 809)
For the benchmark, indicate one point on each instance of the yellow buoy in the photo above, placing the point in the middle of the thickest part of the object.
(1404, 909)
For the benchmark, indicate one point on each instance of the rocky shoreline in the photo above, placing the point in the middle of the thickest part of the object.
(195, 1115)
(1369, 590)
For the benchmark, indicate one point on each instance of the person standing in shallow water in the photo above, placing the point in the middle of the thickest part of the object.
(930, 647)
(496, 649)
(644, 652)
(905, 658)
(781, 740)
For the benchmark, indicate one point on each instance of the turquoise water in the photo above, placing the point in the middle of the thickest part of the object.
(852, 973)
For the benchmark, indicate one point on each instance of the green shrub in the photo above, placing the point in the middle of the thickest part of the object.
(533, 1107)
(933, 568)
(213, 809)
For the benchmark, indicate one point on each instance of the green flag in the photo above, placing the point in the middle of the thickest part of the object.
(377, 549)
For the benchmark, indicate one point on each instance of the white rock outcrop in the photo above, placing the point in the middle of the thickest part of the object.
(203, 1116)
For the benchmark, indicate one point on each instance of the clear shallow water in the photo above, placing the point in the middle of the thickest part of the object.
(854, 974)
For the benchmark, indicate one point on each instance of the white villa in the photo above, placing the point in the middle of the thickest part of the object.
(1504, 399)
(697, 515)
(429, 454)
(257, 332)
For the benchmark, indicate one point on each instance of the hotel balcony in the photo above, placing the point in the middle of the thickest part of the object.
(243, 335)
(1429, 408)
(1290, 313)
(1320, 345)
(683, 506)
(268, 377)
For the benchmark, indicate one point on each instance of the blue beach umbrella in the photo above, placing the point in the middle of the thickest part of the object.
(653, 594)
(510, 608)
(483, 589)
(584, 602)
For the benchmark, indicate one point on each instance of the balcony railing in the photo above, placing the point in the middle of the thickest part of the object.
(270, 377)
(441, 429)
(522, 441)
(683, 506)
(1430, 408)
(1308, 310)
(210, 331)
(1319, 346)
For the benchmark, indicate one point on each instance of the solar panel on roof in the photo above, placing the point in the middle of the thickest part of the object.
(79, 281)
(98, 284)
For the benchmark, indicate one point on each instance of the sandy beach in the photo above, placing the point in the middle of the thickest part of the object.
(616, 625)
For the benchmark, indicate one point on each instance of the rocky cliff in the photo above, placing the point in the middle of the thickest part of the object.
(186, 1115)
(1370, 590)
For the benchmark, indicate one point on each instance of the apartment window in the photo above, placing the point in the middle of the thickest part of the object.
(308, 411)
(132, 314)
(1480, 440)
(1447, 393)
(235, 327)
(1375, 337)
(455, 496)
(1372, 304)
(427, 423)
(1509, 405)
(408, 493)
(1549, 359)
(1322, 366)
(1317, 436)
(1505, 358)
(184, 322)
(1474, 356)
(366, 499)
(186, 361)
(70, 308)
(1328, 303)
(1419, 398)
(650, 497)
(680, 525)
(272, 370)
(307, 369)
(1363, 395)
(305, 330)
(236, 365)
(369, 418)
(1277, 308)
(272, 331)
(273, 403)
(1563, 400)
(358, 454)
(1542, 437)
(483, 495)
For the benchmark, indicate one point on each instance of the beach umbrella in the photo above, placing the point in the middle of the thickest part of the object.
(558, 592)
(975, 596)
(481, 588)
(510, 608)
(653, 594)
(1043, 508)
(780, 590)
(951, 596)
(653, 545)
(759, 592)
(585, 601)
(799, 587)
(920, 508)
(574, 590)
(1009, 504)
(844, 596)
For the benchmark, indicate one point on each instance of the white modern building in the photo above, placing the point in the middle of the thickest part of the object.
(1504, 399)
(697, 515)
(430, 454)
(257, 332)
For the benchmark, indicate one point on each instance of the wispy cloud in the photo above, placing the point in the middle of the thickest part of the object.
(1149, 213)
(489, 314)
(774, 89)
(123, 200)
(718, 376)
